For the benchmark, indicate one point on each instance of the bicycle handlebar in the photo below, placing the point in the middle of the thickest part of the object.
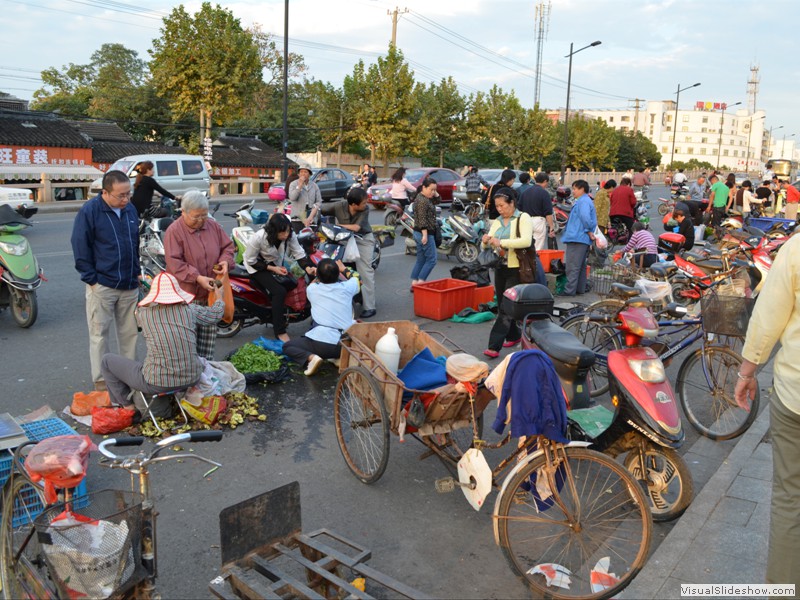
(193, 436)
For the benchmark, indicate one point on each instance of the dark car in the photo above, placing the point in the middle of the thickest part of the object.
(332, 183)
(444, 178)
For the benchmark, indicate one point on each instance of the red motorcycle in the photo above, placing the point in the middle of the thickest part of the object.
(643, 423)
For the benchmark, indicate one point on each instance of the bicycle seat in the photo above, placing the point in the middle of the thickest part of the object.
(663, 270)
(560, 345)
(626, 291)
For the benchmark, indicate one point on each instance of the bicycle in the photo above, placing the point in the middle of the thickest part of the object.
(707, 377)
(42, 555)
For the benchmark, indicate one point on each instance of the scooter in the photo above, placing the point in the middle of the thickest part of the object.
(20, 274)
(246, 217)
(460, 238)
(334, 240)
(645, 425)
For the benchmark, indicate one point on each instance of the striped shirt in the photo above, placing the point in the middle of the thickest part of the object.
(170, 334)
(642, 240)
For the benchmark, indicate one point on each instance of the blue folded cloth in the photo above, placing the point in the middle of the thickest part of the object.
(423, 372)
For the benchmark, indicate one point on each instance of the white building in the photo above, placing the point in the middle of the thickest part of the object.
(735, 140)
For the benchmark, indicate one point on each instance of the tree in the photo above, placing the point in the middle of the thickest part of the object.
(443, 111)
(68, 91)
(593, 145)
(206, 64)
(636, 152)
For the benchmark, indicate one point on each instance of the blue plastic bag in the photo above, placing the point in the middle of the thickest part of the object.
(275, 346)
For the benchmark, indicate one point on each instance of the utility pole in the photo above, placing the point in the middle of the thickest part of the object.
(395, 14)
(636, 115)
(541, 19)
(285, 140)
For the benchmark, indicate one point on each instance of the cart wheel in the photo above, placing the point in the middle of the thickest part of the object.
(456, 443)
(362, 424)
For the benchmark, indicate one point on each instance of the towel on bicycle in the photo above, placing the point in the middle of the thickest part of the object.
(530, 399)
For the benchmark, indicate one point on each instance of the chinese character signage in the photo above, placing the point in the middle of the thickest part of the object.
(700, 105)
(25, 155)
(207, 151)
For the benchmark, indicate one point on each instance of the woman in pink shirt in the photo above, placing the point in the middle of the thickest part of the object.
(401, 187)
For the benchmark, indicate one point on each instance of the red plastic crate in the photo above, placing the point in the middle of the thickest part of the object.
(482, 295)
(441, 299)
(547, 255)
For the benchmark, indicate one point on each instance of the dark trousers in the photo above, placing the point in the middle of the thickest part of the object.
(504, 328)
(694, 209)
(717, 215)
(300, 349)
(623, 219)
(575, 256)
(277, 292)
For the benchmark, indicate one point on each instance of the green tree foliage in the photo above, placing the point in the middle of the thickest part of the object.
(593, 145)
(206, 62)
(68, 90)
(441, 121)
(636, 152)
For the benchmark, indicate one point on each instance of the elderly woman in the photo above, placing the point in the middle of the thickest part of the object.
(602, 204)
(197, 249)
(510, 231)
(268, 253)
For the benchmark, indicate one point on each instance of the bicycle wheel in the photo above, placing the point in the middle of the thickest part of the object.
(455, 443)
(25, 577)
(601, 339)
(705, 386)
(362, 424)
(663, 209)
(597, 513)
(668, 483)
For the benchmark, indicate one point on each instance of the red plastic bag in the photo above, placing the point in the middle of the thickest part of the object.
(111, 420)
(61, 461)
(82, 403)
(296, 299)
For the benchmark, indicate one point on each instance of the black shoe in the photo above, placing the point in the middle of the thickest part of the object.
(368, 314)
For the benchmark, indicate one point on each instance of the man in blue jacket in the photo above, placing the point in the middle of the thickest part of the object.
(105, 243)
(578, 237)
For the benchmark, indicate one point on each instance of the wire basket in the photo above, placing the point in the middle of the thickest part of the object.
(93, 551)
(601, 278)
(726, 315)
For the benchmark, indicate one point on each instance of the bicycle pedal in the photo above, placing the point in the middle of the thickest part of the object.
(445, 485)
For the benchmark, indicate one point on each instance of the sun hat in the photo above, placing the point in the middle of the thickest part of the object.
(165, 289)
(304, 168)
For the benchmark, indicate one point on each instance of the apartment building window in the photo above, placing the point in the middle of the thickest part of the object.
(704, 130)
(610, 119)
(690, 151)
(651, 130)
(677, 150)
(725, 152)
(736, 153)
(664, 149)
(714, 151)
(624, 128)
(704, 140)
(668, 128)
(652, 117)
(685, 118)
(624, 118)
(705, 119)
(688, 138)
(684, 128)
(669, 118)
(702, 150)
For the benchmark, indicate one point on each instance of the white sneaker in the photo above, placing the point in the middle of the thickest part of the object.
(313, 364)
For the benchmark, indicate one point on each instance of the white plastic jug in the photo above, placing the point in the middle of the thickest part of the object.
(388, 350)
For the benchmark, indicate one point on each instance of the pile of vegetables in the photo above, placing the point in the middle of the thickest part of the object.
(254, 359)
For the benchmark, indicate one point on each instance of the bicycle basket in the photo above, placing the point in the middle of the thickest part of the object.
(726, 315)
(93, 551)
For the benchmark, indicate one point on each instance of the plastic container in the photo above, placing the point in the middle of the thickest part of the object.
(482, 295)
(388, 350)
(547, 255)
(441, 299)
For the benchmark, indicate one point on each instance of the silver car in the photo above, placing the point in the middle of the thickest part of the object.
(492, 176)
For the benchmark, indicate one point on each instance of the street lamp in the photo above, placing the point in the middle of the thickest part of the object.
(675, 124)
(749, 135)
(566, 112)
(285, 140)
(769, 141)
(783, 146)
(721, 123)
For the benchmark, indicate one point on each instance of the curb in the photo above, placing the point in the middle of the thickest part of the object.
(68, 206)
(675, 546)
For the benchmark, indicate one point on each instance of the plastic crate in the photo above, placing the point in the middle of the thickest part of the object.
(766, 223)
(441, 299)
(482, 295)
(545, 256)
(36, 432)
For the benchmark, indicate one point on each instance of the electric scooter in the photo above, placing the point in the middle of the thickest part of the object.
(20, 274)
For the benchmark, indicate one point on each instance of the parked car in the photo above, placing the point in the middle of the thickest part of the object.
(177, 173)
(445, 178)
(332, 183)
(741, 178)
(21, 200)
(490, 175)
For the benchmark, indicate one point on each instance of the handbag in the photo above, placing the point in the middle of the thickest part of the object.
(437, 233)
(488, 258)
(527, 262)
(288, 281)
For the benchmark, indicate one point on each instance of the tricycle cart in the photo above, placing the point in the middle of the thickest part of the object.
(571, 522)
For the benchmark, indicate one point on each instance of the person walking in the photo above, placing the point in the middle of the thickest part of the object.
(145, 187)
(305, 198)
(536, 202)
(401, 187)
(105, 245)
(472, 183)
(525, 184)
(602, 204)
(578, 237)
(503, 186)
(331, 315)
(641, 182)
(511, 230)
(353, 213)
(623, 204)
(424, 232)
(718, 201)
(197, 249)
(267, 256)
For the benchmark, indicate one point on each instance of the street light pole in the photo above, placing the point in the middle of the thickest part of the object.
(285, 141)
(769, 141)
(749, 135)
(721, 123)
(783, 145)
(675, 124)
(566, 112)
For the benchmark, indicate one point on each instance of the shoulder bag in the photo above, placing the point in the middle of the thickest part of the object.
(527, 261)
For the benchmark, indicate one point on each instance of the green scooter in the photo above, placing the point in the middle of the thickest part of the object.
(19, 272)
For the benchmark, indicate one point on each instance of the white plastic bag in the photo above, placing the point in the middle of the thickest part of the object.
(654, 290)
(351, 253)
(599, 239)
(218, 378)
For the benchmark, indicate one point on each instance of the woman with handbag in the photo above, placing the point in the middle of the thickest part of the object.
(424, 232)
(511, 231)
(265, 258)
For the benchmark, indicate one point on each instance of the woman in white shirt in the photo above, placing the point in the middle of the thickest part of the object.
(401, 187)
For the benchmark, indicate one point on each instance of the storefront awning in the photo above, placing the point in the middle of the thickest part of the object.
(53, 172)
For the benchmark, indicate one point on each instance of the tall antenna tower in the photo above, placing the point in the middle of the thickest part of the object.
(542, 22)
(752, 88)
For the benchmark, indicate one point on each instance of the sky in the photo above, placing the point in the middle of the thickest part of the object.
(649, 47)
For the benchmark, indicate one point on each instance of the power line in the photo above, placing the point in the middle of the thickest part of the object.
(69, 12)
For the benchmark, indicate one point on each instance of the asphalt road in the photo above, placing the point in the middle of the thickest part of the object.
(434, 542)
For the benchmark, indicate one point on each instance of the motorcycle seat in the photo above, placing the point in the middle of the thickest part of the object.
(693, 256)
(663, 270)
(238, 271)
(710, 264)
(560, 345)
(625, 291)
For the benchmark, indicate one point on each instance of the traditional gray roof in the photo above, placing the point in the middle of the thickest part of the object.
(19, 128)
(234, 151)
(109, 152)
(99, 131)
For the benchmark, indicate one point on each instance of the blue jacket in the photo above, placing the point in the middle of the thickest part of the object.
(582, 220)
(105, 246)
(539, 406)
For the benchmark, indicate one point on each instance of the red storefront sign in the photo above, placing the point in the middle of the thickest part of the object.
(44, 155)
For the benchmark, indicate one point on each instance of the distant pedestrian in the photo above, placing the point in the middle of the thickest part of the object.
(792, 198)
(305, 197)
(536, 202)
(401, 187)
(718, 201)
(105, 244)
(602, 204)
(368, 176)
(505, 182)
(641, 181)
(578, 237)
(472, 184)
(424, 232)
(623, 204)
(679, 178)
(525, 183)
(145, 186)
(697, 196)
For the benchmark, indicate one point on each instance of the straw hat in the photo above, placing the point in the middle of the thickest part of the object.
(165, 289)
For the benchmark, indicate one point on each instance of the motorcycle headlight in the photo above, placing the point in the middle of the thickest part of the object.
(651, 370)
(342, 235)
(327, 232)
(15, 249)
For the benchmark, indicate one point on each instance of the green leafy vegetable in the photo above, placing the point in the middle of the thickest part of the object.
(254, 359)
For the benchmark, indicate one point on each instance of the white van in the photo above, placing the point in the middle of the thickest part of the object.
(176, 173)
(20, 200)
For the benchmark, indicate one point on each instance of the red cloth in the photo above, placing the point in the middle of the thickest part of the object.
(623, 200)
(792, 195)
